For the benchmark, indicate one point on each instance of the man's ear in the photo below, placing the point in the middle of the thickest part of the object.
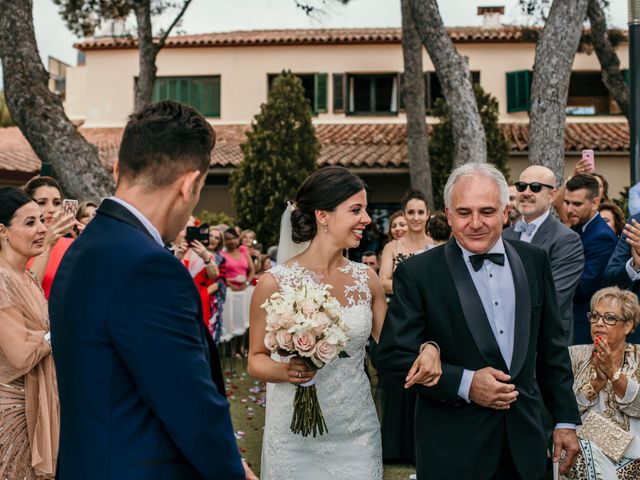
(189, 184)
(116, 171)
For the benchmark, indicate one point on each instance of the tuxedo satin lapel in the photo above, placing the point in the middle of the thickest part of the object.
(523, 310)
(472, 308)
(117, 211)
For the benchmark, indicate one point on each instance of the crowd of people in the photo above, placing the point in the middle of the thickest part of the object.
(483, 301)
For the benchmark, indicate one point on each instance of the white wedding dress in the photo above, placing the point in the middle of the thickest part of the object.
(351, 449)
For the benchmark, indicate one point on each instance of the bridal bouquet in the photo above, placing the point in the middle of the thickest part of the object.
(305, 321)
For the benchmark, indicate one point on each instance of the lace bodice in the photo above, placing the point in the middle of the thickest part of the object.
(351, 449)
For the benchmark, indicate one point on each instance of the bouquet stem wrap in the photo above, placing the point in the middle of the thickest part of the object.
(307, 415)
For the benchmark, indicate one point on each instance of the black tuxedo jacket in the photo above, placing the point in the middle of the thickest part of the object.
(435, 299)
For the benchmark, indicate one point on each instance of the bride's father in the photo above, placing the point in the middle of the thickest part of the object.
(141, 392)
(490, 305)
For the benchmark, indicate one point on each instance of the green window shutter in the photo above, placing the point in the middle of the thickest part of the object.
(196, 97)
(627, 76)
(401, 104)
(338, 92)
(320, 93)
(518, 91)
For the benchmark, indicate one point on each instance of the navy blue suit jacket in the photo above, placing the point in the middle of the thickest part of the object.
(136, 379)
(598, 242)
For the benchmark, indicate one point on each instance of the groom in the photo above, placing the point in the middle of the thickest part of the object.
(491, 307)
(141, 392)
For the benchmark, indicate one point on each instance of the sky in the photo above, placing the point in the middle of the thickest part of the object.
(204, 16)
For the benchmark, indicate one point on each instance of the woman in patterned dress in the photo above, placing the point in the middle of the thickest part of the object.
(29, 412)
(607, 382)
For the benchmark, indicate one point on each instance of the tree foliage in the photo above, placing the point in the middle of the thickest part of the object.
(215, 218)
(5, 116)
(280, 152)
(441, 150)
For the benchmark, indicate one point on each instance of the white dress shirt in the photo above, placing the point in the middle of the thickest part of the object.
(526, 237)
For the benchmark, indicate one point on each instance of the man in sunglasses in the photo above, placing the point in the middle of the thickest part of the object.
(536, 194)
(598, 242)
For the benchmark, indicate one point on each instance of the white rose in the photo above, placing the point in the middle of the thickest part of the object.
(326, 352)
(284, 340)
(270, 341)
(304, 343)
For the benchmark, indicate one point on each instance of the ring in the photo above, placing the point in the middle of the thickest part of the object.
(298, 374)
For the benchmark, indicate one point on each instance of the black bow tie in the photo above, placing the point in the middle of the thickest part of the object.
(478, 260)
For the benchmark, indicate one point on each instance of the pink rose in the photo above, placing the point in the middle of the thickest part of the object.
(284, 340)
(308, 306)
(325, 352)
(270, 341)
(304, 343)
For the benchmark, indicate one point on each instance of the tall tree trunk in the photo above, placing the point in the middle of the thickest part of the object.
(609, 61)
(39, 113)
(147, 53)
(148, 49)
(455, 80)
(413, 92)
(555, 52)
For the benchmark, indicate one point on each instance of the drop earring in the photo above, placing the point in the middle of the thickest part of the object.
(325, 228)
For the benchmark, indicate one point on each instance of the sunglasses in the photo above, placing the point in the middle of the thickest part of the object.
(535, 187)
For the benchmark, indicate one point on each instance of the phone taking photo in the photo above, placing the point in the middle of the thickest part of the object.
(589, 156)
(200, 233)
(69, 207)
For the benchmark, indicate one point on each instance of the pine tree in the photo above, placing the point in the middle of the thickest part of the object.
(280, 152)
(441, 146)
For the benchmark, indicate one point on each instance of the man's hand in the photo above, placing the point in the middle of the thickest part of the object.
(488, 389)
(567, 440)
(426, 369)
(248, 472)
(632, 232)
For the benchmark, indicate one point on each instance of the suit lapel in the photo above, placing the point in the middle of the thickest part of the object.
(523, 309)
(540, 235)
(472, 308)
(115, 210)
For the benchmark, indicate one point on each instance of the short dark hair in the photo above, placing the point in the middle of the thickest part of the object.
(369, 253)
(232, 231)
(438, 227)
(413, 194)
(324, 189)
(11, 200)
(584, 181)
(163, 141)
(36, 182)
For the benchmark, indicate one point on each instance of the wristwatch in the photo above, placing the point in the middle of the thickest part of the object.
(635, 267)
(616, 375)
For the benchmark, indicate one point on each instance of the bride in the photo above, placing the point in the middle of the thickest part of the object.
(327, 217)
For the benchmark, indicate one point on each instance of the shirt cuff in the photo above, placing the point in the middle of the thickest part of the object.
(465, 384)
(570, 426)
(633, 275)
(630, 394)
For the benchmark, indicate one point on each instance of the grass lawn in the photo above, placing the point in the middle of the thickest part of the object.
(247, 397)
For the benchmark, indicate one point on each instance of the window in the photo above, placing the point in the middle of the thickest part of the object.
(588, 95)
(315, 89)
(432, 89)
(202, 93)
(372, 94)
(519, 91)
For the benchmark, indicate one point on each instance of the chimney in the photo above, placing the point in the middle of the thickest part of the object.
(491, 16)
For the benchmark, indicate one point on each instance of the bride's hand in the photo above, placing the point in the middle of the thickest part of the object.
(426, 369)
(299, 371)
(248, 472)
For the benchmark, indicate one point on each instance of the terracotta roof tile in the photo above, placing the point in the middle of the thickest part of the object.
(351, 145)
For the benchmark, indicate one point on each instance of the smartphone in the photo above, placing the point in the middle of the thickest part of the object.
(69, 207)
(199, 233)
(590, 158)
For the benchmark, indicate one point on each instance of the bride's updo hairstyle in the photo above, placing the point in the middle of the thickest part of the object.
(324, 189)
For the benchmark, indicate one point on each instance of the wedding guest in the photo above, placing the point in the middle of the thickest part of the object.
(240, 269)
(398, 403)
(607, 382)
(29, 411)
(255, 252)
(613, 217)
(438, 228)
(86, 212)
(603, 191)
(370, 259)
(46, 192)
(598, 242)
(536, 194)
(218, 288)
(514, 211)
(272, 251)
(247, 238)
(397, 226)
(415, 240)
(201, 266)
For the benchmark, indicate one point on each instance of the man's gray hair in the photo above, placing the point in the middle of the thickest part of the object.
(472, 170)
